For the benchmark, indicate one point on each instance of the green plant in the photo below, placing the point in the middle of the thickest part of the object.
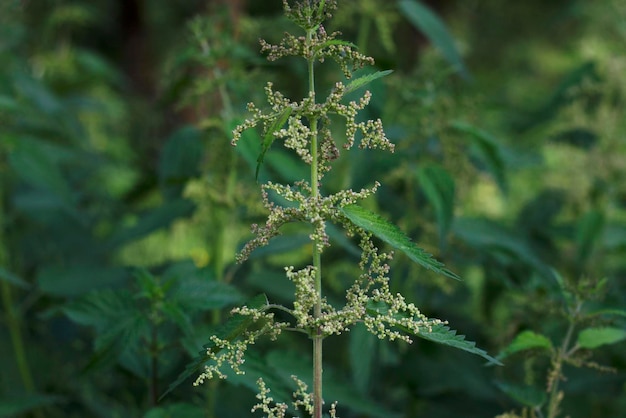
(307, 128)
(588, 326)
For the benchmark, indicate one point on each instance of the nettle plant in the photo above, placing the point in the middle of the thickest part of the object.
(305, 127)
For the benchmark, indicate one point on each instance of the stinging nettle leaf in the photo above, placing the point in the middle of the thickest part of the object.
(269, 137)
(430, 25)
(439, 333)
(365, 80)
(526, 340)
(393, 236)
(229, 331)
(595, 337)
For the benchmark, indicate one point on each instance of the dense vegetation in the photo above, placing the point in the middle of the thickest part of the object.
(123, 205)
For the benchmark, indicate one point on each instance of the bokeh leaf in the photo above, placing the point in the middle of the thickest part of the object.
(596, 337)
(487, 148)
(9, 277)
(525, 395)
(526, 340)
(365, 80)
(438, 186)
(425, 20)
(232, 329)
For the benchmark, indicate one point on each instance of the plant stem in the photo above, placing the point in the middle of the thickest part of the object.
(317, 258)
(564, 352)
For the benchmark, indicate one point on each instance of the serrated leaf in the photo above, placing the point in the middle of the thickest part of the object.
(393, 236)
(438, 186)
(229, 331)
(9, 277)
(425, 20)
(526, 395)
(365, 80)
(596, 337)
(439, 333)
(442, 334)
(526, 340)
(269, 137)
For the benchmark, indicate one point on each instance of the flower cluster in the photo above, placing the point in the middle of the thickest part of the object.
(232, 353)
(315, 211)
(302, 397)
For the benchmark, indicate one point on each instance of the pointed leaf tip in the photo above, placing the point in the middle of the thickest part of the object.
(393, 236)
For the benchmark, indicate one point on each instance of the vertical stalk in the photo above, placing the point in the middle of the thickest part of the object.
(12, 317)
(317, 258)
(555, 400)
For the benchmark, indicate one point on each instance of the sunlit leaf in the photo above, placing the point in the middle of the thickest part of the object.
(596, 337)
(425, 20)
(526, 340)
(393, 236)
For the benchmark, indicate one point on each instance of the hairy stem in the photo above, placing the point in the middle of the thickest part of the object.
(317, 259)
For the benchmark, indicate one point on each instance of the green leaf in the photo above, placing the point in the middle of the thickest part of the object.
(9, 277)
(269, 137)
(526, 395)
(229, 331)
(180, 160)
(13, 406)
(439, 188)
(596, 337)
(392, 235)
(152, 220)
(439, 333)
(37, 168)
(488, 150)
(526, 340)
(78, 279)
(608, 311)
(362, 347)
(588, 230)
(425, 20)
(365, 80)
(335, 42)
(442, 334)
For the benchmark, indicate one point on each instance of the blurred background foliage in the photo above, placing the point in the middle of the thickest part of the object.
(123, 203)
